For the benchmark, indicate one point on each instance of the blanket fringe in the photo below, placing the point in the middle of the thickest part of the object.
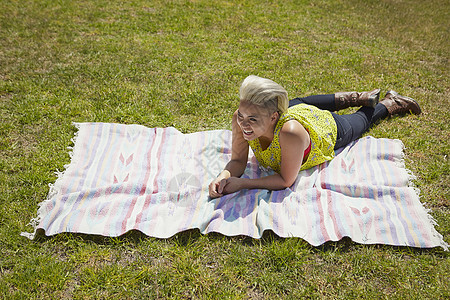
(411, 183)
(34, 222)
(433, 222)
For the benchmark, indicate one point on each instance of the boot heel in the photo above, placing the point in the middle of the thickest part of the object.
(374, 98)
(391, 92)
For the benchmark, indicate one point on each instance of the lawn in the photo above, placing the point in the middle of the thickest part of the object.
(180, 63)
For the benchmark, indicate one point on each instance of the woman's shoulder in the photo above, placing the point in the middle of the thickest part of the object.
(293, 128)
(291, 125)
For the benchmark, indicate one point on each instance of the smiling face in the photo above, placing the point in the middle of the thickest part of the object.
(256, 121)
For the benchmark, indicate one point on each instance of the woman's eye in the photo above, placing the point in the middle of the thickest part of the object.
(253, 120)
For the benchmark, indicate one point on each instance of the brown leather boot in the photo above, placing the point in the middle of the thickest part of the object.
(355, 99)
(398, 104)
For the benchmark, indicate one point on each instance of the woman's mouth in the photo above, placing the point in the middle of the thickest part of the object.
(247, 132)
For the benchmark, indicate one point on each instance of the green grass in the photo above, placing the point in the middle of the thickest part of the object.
(180, 63)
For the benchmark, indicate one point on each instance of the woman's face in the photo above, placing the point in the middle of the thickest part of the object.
(255, 121)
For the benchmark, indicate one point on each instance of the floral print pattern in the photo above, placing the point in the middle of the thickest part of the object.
(322, 130)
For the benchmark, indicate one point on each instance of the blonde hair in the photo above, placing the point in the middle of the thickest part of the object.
(264, 92)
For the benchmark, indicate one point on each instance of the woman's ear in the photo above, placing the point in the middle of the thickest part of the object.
(275, 116)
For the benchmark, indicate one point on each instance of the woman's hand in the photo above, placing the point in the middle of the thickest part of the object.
(214, 188)
(231, 185)
(218, 188)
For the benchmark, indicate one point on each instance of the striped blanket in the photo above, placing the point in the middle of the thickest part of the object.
(155, 180)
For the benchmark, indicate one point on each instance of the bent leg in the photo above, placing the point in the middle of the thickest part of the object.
(326, 102)
(341, 100)
(351, 127)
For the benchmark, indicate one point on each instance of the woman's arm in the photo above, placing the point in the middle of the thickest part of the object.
(294, 139)
(236, 166)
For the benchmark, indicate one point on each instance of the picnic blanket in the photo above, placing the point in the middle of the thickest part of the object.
(155, 180)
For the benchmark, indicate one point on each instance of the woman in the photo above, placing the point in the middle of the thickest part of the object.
(290, 136)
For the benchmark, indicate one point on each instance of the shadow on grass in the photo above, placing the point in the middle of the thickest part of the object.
(188, 237)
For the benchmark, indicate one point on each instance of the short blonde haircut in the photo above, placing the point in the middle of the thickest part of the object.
(264, 92)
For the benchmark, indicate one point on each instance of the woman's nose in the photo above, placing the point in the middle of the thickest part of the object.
(244, 123)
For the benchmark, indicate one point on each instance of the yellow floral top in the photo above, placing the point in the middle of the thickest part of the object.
(322, 130)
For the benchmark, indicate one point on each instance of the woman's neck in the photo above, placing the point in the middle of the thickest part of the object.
(266, 139)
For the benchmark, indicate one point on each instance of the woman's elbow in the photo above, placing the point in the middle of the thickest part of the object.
(287, 185)
(288, 182)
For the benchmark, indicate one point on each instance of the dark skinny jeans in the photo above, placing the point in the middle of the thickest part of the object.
(349, 127)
